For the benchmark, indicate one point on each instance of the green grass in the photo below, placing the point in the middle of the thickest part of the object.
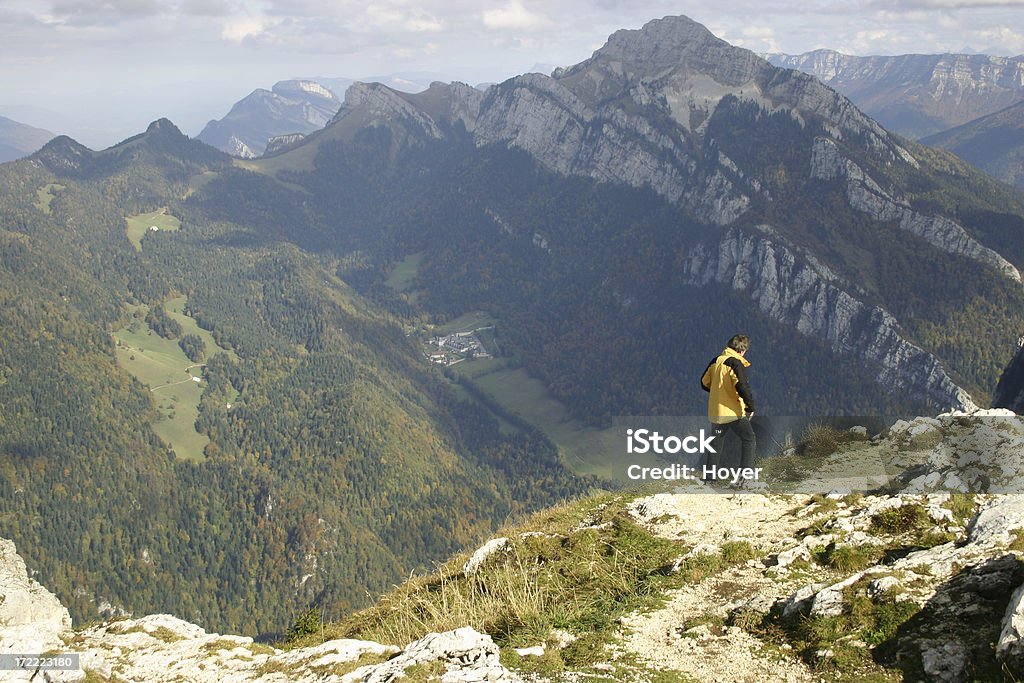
(467, 322)
(162, 366)
(593, 565)
(824, 641)
(139, 224)
(585, 450)
(46, 195)
(404, 273)
(301, 160)
(199, 181)
(175, 309)
(590, 565)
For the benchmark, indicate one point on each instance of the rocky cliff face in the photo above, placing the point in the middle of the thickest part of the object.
(634, 113)
(289, 107)
(828, 163)
(917, 95)
(801, 292)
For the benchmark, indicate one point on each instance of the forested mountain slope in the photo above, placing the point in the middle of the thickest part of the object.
(334, 456)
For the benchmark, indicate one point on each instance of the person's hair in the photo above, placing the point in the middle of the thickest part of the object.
(739, 343)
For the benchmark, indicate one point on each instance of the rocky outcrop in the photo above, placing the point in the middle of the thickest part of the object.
(162, 648)
(31, 617)
(983, 452)
(799, 292)
(828, 163)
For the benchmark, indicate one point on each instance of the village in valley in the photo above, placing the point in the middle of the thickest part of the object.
(455, 347)
(471, 336)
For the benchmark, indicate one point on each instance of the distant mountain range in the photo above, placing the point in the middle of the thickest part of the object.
(993, 143)
(290, 108)
(917, 95)
(18, 139)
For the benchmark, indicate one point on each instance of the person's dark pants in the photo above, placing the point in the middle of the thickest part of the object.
(741, 428)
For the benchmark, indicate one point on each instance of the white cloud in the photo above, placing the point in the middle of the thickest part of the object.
(514, 16)
(757, 38)
(1006, 39)
(239, 29)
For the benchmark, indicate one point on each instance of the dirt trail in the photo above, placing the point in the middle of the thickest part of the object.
(687, 634)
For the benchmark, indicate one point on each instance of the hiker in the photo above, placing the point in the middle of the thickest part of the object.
(730, 400)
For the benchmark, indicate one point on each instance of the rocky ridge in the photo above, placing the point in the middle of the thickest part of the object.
(636, 113)
(799, 291)
(161, 647)
(917, 95)
(927, 583)
(828, 163)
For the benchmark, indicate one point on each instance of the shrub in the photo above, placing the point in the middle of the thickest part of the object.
(818, 440)
(307, 623)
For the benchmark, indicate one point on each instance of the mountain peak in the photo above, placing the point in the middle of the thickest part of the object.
(672, 46)
(64, 154)
(660, 42)
(164, 126)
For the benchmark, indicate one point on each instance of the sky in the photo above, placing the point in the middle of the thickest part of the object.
(101, 70)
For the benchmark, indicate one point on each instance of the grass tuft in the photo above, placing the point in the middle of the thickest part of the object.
(819, 440)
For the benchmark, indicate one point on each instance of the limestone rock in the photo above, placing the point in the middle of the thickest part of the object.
(470, 657)
(1010, 648)
(31, 617)
(793, 290)
(828, 163)
(483, 554)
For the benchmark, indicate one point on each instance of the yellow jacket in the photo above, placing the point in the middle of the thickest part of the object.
(725, 380)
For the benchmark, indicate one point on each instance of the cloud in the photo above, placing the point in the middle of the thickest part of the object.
(238, 30)
(1006, 39)
(91, 12)
(206, 8)
(514, 16)
(757, 38)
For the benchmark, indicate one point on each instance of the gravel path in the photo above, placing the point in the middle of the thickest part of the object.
(669, 639)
